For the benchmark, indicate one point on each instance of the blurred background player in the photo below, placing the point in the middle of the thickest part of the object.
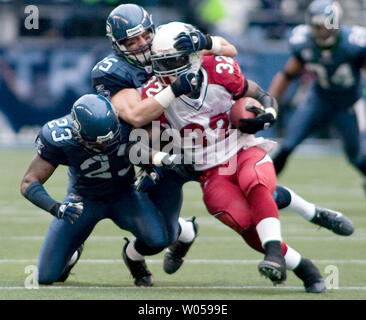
(241, 199)
(91, 142)
(131, 30)
(335, 55)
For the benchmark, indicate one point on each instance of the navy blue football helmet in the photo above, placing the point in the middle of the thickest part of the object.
(96, 123)
(128, 21)
(324, 18)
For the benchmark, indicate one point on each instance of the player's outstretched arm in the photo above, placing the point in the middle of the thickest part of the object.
(137, 112)
(209, 45)
(39, 171)
(283, 78)
(32, 189)
(224, 48)
(31, 185)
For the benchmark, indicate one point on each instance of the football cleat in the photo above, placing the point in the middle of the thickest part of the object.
(273, 266)
(310, 275)
(72, 262)
(138, 269)
(334, 221)
(174, 257)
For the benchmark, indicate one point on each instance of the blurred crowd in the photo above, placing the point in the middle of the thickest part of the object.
(257, 19)
(55, 58)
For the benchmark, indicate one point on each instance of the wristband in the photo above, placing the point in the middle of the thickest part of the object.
(216, 46)
(165, 97)
(37, 194)
(272, 111)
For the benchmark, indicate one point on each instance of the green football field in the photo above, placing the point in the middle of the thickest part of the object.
(219, 266)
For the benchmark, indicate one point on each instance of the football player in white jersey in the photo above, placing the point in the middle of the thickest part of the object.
(236, 173)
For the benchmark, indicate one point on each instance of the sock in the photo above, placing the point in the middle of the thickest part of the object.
(299, 205)
(269, 229)
(292, 258)
(73, 258)
(187, 232)
(132, 253)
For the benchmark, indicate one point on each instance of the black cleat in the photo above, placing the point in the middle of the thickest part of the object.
(74, 259)
(334, 221)
(310, 275)
(138, 269)
(174, 257)
(273, 266)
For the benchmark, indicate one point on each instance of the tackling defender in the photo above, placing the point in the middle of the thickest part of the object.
(335, 55)
(91, 142)
(131, 30)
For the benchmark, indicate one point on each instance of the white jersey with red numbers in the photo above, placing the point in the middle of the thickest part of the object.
(204, 123)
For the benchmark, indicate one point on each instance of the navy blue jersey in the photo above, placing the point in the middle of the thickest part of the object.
(115, 73)
(337, 70)
(90, 175)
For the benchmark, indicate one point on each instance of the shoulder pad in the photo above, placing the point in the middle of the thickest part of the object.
(226, 72)
(356, 35)
(57, 132)
(299, 35)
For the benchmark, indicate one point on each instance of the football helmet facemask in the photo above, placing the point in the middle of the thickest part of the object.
(126, 22)
(167, 62)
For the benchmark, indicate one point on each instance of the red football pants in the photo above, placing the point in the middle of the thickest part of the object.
(242, 198)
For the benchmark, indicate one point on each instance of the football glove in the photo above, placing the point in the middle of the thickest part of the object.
(187, 83)
(263, 120)
(193, 41)
(71, 211)
(146, 179)
(176, 163)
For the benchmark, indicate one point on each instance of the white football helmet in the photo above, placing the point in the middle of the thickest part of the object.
(166, 60)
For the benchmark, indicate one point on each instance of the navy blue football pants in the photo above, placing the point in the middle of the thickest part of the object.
(316, 113)
(129, 210)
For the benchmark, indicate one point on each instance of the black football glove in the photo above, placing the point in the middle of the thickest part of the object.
(263, 120)
(193, 41)
(176, 162)
(187, 83)
(71, 211)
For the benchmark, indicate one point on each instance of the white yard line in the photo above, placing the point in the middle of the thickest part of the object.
(302, 235)
(176, 287)
(190, 261)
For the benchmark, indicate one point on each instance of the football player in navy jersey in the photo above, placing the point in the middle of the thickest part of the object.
(92, 142)
(335, 54)
(130, 29)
